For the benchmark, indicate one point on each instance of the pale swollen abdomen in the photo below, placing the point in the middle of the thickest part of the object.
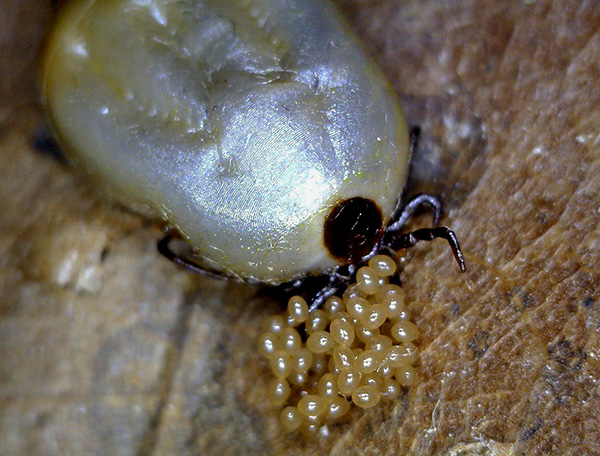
(240, 123)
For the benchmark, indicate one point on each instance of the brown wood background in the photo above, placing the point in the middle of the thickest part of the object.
(106, 348)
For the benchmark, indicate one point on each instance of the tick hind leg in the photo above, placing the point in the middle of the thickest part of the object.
(395, 240)
(184, 259)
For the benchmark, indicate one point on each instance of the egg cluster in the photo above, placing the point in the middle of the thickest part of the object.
(355, 349)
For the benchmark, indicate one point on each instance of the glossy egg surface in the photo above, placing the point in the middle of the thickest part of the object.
(240, 123)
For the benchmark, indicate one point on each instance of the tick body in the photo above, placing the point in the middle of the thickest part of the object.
(242, 124)
(257, 129)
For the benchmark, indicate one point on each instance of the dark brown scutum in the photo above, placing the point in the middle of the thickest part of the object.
(352, 229)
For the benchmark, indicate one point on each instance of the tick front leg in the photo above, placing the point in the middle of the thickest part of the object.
(401, 214)
(396, 241)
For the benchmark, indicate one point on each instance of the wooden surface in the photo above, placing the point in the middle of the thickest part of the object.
(106, 348)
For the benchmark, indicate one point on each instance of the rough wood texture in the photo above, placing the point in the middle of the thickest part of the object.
(106, 348)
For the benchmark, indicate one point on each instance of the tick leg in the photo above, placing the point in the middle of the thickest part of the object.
(316, 289)
(415, 136)
(45, 142)
(164, 248)
(400, 215)
(398, 241)
(321, 296)
(337, 282)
